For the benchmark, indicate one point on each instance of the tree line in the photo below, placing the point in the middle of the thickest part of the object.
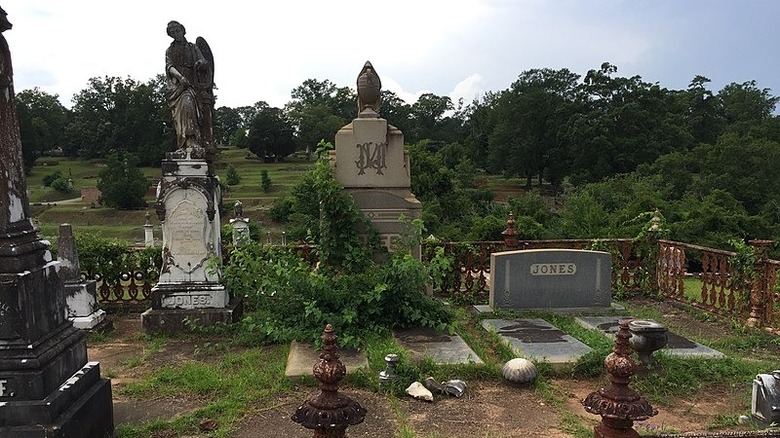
(610, 147)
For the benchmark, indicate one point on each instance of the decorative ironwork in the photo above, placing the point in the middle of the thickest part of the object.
(329, 413)
(618, 404)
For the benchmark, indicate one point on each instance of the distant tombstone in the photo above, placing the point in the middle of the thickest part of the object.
(80, 295)
(550, 279)
(148, 231)
(239, 225)
(371, 163)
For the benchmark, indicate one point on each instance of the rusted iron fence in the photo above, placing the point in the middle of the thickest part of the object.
(705, 278)
(700, 276)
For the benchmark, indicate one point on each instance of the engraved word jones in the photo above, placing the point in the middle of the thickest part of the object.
(553, 269)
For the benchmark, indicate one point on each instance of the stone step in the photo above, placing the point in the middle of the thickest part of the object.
(442, 348)
(677, 346)
(302, 358)
(537, 339)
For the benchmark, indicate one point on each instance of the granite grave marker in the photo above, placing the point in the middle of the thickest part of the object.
(550, 279)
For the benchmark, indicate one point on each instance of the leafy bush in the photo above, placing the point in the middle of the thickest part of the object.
(62, 185)
(347, 288)
(121, 183)
(50, 178)
(232, 177)
(265, 181)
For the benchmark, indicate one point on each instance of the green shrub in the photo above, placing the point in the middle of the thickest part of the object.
(265, 181)
(232, 177)
(62, 185)
(50, 178)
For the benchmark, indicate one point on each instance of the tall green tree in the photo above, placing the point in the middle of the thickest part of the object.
(318, 109)
(528, 135)
(114, 115)
(121, 183)
(270, 133)
(42, 122)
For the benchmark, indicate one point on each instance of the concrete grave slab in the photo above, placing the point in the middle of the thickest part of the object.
(302, 358)
(443, 348)
(677, 346)
(538, 339)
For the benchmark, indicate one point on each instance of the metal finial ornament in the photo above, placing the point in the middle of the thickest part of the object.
(329, 413)
(618, 404)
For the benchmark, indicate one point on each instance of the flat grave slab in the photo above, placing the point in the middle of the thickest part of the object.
(443, 348)
(302, 358)
(538, 339)
(677, 346)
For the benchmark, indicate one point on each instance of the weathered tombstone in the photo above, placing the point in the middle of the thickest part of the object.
(239, 225)
(188, 198)
(371, 163)
(148, 231)
(550, 279)
(47, 387)
(80, 295)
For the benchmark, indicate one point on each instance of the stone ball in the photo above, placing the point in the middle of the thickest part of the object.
(519, 370)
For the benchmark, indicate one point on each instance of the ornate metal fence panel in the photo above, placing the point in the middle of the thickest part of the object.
(125, 291)
(702, 277)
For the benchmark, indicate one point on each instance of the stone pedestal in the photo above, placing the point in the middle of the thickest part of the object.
(81, 295)
(371, 163)
(47, 388)
(188, 198)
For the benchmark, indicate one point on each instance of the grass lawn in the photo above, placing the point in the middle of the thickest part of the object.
(49, 211)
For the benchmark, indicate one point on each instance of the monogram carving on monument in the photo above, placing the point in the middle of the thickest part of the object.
(372, 156)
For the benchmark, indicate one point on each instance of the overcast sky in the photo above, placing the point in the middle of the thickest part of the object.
(459, 48)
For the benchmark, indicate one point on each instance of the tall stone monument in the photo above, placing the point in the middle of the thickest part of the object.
(47, 387)
(371, 163)
(188, 198)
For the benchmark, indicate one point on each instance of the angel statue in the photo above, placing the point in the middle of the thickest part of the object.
(190, 89)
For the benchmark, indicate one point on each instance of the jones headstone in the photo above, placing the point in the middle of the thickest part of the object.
(550, 279)
(47, 387)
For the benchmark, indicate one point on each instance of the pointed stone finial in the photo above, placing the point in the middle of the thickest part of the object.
(70, 268)
(329, 413)
(369, 89)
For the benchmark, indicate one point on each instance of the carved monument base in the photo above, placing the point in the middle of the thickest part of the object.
(189, 291)
(83, 310)
(47, 388)
(170, 320)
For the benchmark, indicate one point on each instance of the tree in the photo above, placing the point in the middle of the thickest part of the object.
(746, 106)
(318, 109)
(270, 134)
(226, 121)
(42, 122)
(265, 181)
(429, 118)
(121, 183)
(530, 121)
(114, 115)
(231, 176)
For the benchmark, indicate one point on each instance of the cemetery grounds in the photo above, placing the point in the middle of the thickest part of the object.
(211, 385)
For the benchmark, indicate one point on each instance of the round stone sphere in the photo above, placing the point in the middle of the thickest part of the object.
(519, 370)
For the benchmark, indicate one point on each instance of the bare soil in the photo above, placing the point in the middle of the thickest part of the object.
(489, 408)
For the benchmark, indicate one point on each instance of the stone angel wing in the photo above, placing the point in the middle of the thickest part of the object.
(206, 51)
